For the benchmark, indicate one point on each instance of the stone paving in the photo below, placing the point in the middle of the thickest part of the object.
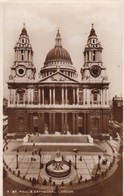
(86, 164)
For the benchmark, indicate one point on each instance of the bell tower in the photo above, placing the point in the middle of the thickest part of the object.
(94, 73)
(95, 86)
(23, 69)
(20, 85)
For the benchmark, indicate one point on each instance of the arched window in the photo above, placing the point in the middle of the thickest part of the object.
(22, 55)
(95, 95)
(94, 55)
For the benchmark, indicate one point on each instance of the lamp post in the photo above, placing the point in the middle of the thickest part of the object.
(17, 161)
(40, 159)
(76, 151)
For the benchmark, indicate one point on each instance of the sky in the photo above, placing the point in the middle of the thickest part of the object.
(74, 19)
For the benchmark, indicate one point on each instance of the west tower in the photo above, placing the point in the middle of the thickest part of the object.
(95, 85)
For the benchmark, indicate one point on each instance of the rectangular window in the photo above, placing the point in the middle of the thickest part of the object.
(95, 95)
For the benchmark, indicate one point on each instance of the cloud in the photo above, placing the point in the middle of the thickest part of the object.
(15, 16)
(76, 40)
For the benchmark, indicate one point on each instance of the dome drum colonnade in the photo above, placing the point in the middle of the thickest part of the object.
(57, 100)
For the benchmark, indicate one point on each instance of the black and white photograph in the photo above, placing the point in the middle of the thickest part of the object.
(62, 98)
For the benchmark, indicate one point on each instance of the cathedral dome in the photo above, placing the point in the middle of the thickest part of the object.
(58, 53)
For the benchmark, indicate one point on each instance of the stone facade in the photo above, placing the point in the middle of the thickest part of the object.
(57, 101)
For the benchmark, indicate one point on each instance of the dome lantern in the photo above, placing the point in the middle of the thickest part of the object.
(58, 53)
(58, 40)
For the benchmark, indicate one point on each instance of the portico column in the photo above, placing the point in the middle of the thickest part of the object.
(63, 123)
(32, 94)
(50, 123)
(76, 123)
(84, 124)
(39, 95)
(54, 96)
(73, 122)
(74, 96)
(85, 96)
(66, 123)
(62, 95)
(14, 96)
(43, 95)
(53, 122)
(66, 95)
(50, 96)
(77, 94)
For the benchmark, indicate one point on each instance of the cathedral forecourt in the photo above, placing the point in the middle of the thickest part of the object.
(53, 120)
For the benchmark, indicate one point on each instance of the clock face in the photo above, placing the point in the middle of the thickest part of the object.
(21, 71)
(95, 71)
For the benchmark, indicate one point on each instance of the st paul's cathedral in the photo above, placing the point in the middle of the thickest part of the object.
(58, 101)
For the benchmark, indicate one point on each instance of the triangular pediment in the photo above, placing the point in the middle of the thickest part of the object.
(58, 77)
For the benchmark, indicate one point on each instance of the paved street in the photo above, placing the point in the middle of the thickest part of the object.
(86, 163)
(29, 163)
(112, 186)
